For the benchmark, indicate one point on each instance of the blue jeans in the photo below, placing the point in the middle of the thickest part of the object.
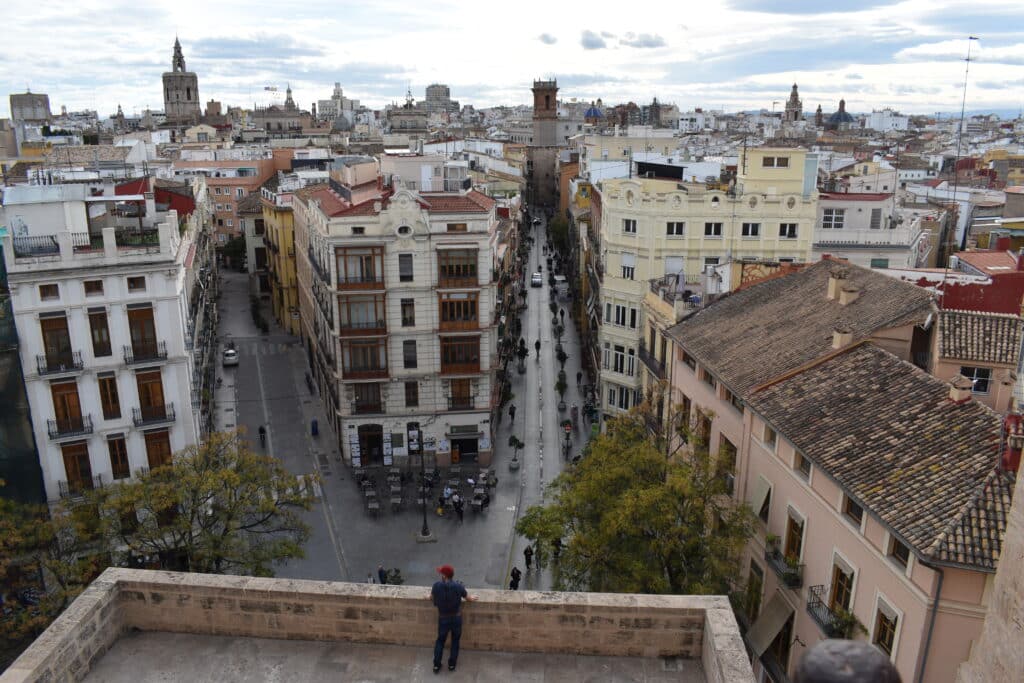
(446, 625)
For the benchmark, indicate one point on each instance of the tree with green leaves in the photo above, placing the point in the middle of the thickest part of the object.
(630, 519)
(216, 508)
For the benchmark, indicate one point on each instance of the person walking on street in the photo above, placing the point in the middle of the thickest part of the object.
(382, 575)
(579, 377)
(512, 413)
(528, 556)
(447, 596)
(562, 312)
(459, 505)
(513, 584)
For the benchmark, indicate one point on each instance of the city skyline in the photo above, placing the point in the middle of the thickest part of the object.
(736, 55)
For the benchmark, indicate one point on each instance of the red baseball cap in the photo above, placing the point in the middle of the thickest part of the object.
(446, 570)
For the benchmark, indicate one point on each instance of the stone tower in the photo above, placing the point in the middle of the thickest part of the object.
(819, 117)
(181, 91)
(794, 107)
(545, 113)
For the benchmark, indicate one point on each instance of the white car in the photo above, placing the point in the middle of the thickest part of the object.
(537, 280)
(536, 221)
(230, 357)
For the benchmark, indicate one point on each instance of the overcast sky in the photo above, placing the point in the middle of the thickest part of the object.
(736, 54)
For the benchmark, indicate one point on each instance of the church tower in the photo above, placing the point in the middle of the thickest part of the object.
(545, 113)
(794, 107)
(181, 91)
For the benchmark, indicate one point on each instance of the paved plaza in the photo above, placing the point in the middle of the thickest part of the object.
(268, 387)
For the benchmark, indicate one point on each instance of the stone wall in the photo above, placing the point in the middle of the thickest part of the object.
(524, 621)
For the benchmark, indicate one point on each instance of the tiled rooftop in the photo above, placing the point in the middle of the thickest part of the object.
(980, 336)
(989, 262)
(471, 202)
(778, 325)
(888, 433)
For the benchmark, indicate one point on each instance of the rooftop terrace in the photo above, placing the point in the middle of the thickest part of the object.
(136, 625)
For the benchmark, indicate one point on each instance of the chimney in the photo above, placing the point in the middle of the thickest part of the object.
(836, 280)
(960, 389)
(847, 295)
(842, 336)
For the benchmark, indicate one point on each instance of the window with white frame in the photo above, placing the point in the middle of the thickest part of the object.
(611, 396)
(675, 229)
(769, 437)
(628, 266)
(775, 162)
(620, 315)
(980, 378)
(787, 231)
(633, 315)
(629, 226)
(674, 265)
(631, 362)
(712, 229)
(239, 192)
(619, 359)
(833, 219)
(606, 356)
(750, 230)
(710, 261)
(607, 312)
(886, 627)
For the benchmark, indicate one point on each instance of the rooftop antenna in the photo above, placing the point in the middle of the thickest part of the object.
(959, 140)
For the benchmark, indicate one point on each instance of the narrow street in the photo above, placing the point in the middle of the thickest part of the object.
(268, 387)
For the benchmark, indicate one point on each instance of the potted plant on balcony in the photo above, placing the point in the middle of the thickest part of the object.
(846, 623)
(791, 574)
(771, 542)
(560, 387)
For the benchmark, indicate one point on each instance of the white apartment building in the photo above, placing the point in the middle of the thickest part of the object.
(885, 120)
(653, 228)
(99, 302)
(397, 302)
(863, 229)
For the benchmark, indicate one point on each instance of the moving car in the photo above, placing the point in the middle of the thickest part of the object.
(230, 357)
(536, 280)
(536, 221)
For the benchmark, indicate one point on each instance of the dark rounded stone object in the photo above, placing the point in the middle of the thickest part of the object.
(845, 661)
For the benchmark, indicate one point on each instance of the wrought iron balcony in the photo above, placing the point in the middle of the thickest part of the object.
(460, 403)
(369, 327)
(656, 366)
(365, 281)
(367, 407)
(789, 572)
(365, 372)
(321, 273)
(143, 353)
(69, 426)
(466, 368)
(832, 624)
(150, 415)
(137, 238)
(35, 245)
(70, 361)
(457, 281)
(78, 487)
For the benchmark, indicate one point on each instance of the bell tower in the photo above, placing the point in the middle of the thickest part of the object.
(181, 91)
(545, 113)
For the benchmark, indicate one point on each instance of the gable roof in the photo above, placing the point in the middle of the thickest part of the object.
(780, 324)
(980, 336)
(887, 433)
(250, 203)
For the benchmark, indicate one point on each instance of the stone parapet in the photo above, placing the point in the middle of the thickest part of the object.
(510, 621)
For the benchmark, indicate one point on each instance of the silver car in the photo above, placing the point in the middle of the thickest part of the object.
(229, 358)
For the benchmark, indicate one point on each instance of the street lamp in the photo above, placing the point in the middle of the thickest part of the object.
(425, 536)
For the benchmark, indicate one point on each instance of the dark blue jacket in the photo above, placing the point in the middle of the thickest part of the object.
(447, 597)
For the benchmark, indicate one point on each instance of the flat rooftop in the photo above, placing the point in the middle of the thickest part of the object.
(137, 625)
(227, 658)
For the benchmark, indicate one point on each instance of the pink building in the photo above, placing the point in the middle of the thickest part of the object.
(877, 485)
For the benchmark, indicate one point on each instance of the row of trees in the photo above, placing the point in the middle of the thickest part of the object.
(643, 514)
(217, 508)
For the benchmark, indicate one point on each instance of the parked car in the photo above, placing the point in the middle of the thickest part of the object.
(230, 357)
(537, 280)
(536, 221)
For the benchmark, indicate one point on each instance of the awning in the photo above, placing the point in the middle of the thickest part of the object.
(768, 624)
(761, 490)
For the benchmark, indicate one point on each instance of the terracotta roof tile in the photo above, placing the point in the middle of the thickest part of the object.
(776, 326)
(991, 262)
(887, 432)
(471, 202)
(979, 336)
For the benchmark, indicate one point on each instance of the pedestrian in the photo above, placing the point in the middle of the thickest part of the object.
(458, 508)
(562, 312)
(447, 596)
(579, 377)
(382, 574)
(512, 413)
(513, 584)
(528, 556)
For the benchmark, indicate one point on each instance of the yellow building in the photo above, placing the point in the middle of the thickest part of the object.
(280, 241)
(650, 229)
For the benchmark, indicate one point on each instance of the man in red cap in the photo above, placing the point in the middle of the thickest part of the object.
(447, 595)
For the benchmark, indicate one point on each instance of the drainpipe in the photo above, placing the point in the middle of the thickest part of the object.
(931, 621)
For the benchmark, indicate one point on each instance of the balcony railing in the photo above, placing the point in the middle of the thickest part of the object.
(367, 407)
(790, 573)
(367, 281)
(35, 245)
(143, 353)
(61, 362)
(136, 238)
(460, 368)
(656, 366)
(369, 327)
(460, 403)
(149, 415)
(831, 623)
(76, 488)
(324, 275)
(365, 372)
(457, 281)
(69, 426)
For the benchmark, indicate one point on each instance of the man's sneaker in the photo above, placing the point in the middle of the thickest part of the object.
(437, 668)
(451, 667)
